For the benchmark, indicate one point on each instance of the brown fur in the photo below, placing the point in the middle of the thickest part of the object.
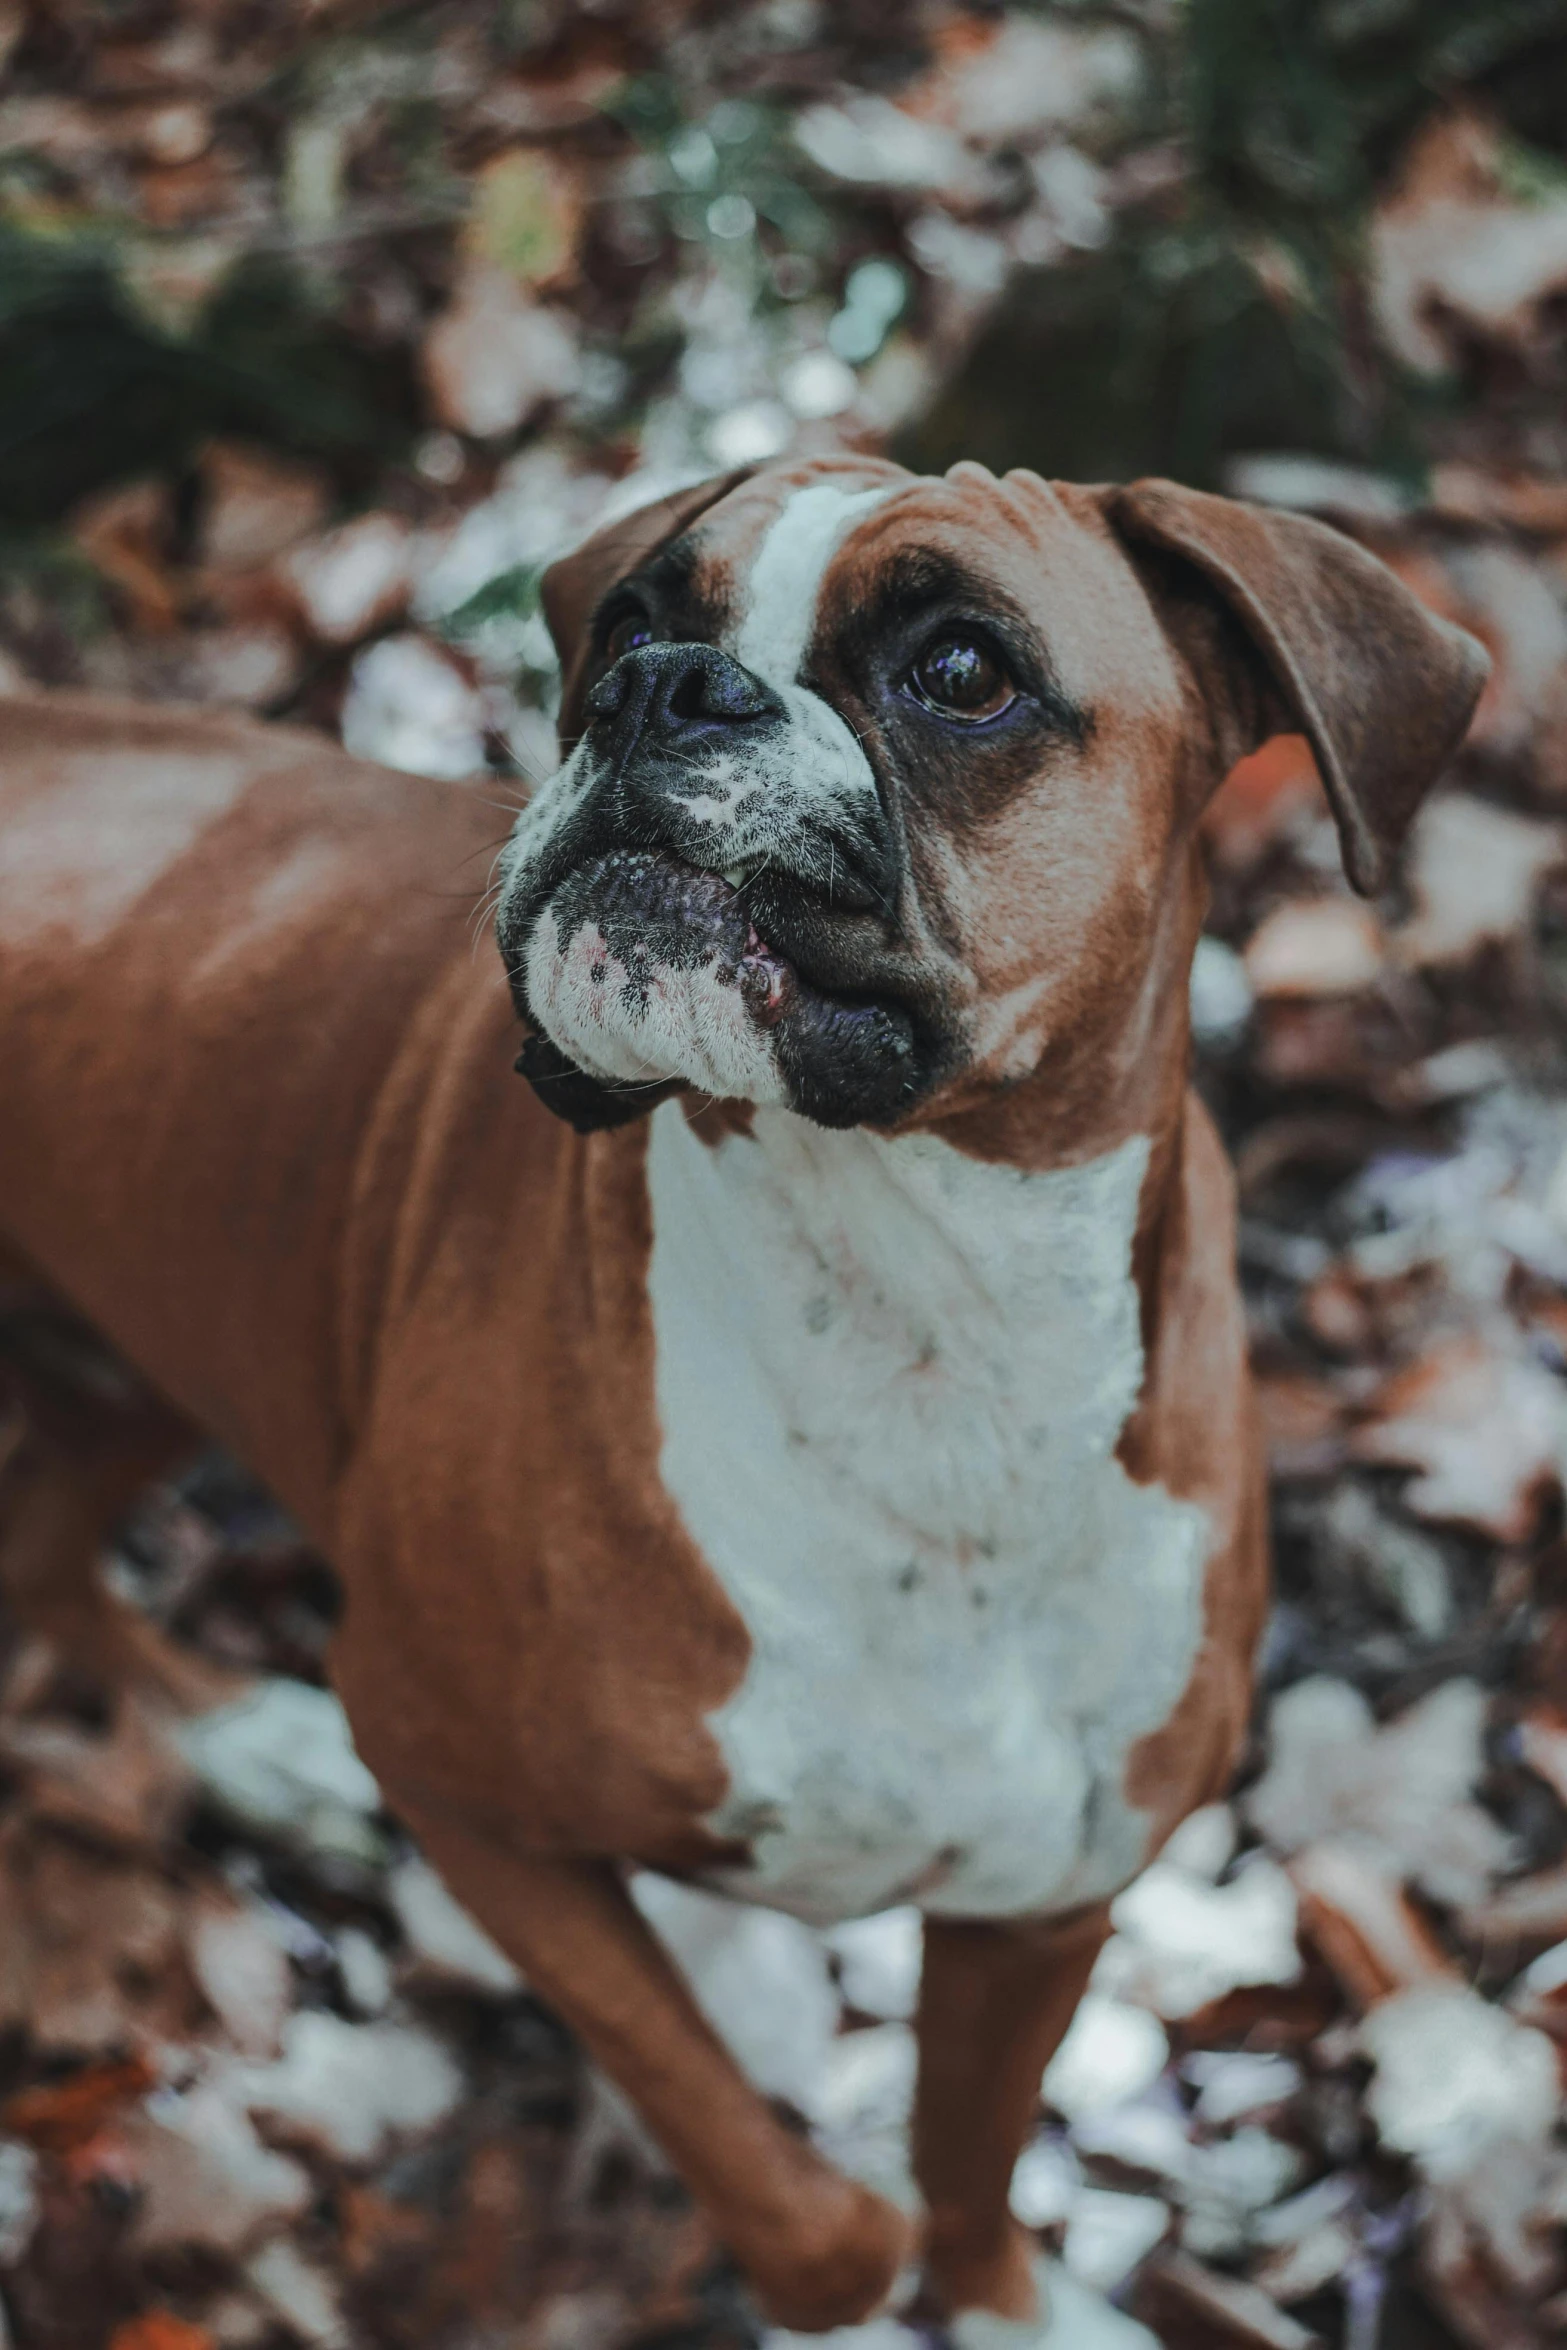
(261, 1131)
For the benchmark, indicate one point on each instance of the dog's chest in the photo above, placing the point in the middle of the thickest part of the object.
(890, 1383)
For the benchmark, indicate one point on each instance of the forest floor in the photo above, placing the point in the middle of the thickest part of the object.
(260, 2082)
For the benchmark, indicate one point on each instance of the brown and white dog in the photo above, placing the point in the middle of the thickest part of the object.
(820, 1462)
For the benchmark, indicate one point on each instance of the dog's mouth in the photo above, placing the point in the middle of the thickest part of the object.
(652, 908)
(643, 973)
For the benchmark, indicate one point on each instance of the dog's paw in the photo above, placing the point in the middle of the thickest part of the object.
(876, 2333)
(839, 2264)
(1071, 2317)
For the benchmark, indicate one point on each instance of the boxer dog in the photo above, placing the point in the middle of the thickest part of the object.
(802, 1442)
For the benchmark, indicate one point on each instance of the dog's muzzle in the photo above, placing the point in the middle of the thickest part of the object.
(711, 763)
(706, 895)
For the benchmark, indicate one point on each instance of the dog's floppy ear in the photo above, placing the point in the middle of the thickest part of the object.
(572, 589)
(1338, 649)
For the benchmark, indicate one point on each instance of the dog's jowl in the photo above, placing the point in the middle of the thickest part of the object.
(800, 1441)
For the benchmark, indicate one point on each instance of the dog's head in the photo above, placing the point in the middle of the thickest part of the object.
(882, 792)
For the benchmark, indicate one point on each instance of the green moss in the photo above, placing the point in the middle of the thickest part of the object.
(92, 392)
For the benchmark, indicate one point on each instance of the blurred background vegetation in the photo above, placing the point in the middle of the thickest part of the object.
(394, 246)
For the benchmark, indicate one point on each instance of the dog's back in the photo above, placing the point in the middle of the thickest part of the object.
(169, 871)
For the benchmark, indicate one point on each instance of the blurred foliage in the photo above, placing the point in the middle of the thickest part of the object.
(1236, 323)
(1162, 356)
(741, 152)
(92, 390)
(511, 595)
(1225, 312)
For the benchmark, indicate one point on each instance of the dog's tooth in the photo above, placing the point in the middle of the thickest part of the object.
(735, 875)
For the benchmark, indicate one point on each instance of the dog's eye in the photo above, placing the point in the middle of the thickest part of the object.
(630, 630)
(962, 680)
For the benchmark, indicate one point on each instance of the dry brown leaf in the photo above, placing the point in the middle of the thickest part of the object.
(157, 2329)
(1454, 259)
(101, 1937)
(1484, 1428)
(1475, 873)
(1194, 2308)
(129, 1786)
(1464, 492)
(1525, 1915)
(126, 534)
(256, 505)
(1311, 1041)
(1264, 800)
(1363, 1922)
(1302, 1423)
(494, 357)
(63, 2115)
(1316, 947)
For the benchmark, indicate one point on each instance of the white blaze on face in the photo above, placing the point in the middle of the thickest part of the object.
(771, 785)
(779, 775)
(786, 579)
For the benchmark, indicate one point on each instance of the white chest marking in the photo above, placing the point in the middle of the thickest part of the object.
(890, 1381)
(786, 578)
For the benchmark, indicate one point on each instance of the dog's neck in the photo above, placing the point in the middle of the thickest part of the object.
(892, 1380)
(795, 1179)
(887, 1246)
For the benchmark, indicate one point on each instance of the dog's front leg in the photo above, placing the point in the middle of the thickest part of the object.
(995, 2002)
(820, 2250)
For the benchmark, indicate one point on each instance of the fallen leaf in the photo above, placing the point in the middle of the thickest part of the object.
(89, 1947)
(1484, 1428)
(1474, 871)
(300, 2293)
(1356, 1912)
(350, 580)
(1454, 259)
(65, 2114)
(128, 1784)
(157, 2330)
(493, 357)
(1265, 799)
(1302, 1423)
(240, 1968)
(244, 667)
(346, 2089)
(255, 504)
(410, 705)
(126, 534)
(1456, 2077)
(1181, 1943)
(205, 2177)
(1191, 2304)
(1403, 1790)
(1315, 947)
(445, 1944)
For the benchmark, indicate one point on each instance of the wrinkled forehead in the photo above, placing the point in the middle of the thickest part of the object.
(796, 554)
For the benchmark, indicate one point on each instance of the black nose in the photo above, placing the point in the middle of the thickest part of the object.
(678, 691)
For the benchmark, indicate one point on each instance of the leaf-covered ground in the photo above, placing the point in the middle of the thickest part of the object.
(322, 328)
